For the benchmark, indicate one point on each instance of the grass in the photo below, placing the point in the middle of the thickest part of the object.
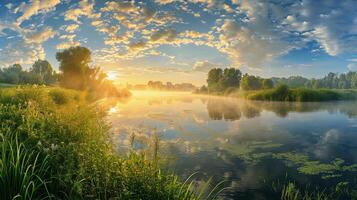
(55, 145)
(283, 93)
(6, 85)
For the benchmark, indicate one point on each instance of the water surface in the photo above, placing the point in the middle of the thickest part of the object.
(253, 145)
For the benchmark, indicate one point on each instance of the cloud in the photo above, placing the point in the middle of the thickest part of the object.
(248, 47)
(329, 23)
(85, 9)
(165, 35)
(204, 66)
(67, 44)
(35, 7)
(21, 52)
(352, 67)
(164, 2)
(39, 36)
(71, 28)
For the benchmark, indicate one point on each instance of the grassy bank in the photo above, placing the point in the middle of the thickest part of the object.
(54, 145)
(283, 93)
(6, 85)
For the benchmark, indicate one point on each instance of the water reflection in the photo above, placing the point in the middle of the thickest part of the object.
(233, 109)
(252, 144)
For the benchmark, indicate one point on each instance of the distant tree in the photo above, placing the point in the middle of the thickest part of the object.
(13, 74)
(203, 89)
(214, 79)
(267, 84)
(44, 70)
(251, 82)
(74, 65)
(231, 78)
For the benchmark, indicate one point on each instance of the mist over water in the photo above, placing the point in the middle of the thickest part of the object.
(251, 144)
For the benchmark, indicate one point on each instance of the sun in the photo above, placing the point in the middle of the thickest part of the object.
(112, 75)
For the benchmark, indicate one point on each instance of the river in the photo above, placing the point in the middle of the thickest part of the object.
(252, 145)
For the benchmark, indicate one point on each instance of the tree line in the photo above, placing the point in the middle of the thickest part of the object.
(229, 79)
(330, 81)
(219, 80)
(41, 72)
(76, 72)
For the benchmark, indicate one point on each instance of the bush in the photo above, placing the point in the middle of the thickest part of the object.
(62, 96)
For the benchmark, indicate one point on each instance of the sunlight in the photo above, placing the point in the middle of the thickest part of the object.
(112, 75)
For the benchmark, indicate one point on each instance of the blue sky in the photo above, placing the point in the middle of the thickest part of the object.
(180, 40)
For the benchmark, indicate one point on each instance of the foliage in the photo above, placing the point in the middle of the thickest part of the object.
(40, 73)
(24, 172)
(219, 80)
(251, 82)
(55, 145)
(283, 93)
(331, 80)
(79, 75)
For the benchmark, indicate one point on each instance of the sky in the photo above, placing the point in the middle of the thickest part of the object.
(181, 40)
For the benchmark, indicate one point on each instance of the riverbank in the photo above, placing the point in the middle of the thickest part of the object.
(284, 93)
(54, 145)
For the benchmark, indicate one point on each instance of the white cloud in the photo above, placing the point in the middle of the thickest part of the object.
(204, 66)
(39, 36)
(67, 44)
(164, 2)
(71, 28)
(248, 47)
(35, 7)
(21, 52)
(85, 9)
(352, 67)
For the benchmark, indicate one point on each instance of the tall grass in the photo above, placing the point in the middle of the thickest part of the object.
(283, 93)
(23, 172)
(55, 145)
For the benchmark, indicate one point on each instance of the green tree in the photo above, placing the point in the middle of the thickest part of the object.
(74, 65)
(267, 83)
(214, 79)
(250, 82)
(44, 70)
(231, 78)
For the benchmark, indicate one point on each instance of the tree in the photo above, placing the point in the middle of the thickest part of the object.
(251, 82)
(231, 78)
(214, 79)
(44, 71)
(267, 84)
(74, 65)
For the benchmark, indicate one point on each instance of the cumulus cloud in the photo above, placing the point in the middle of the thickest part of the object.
(68, 44)
(39, 36)
(85, 9)
(352, 66)
(249, 48)
(21, 52)
(71, 28)
(164, 2)
(204, 66)
(166, 35)
(333, 29)
(35, 7)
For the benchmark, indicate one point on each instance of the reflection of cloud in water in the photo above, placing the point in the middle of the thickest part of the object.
(232, 138)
